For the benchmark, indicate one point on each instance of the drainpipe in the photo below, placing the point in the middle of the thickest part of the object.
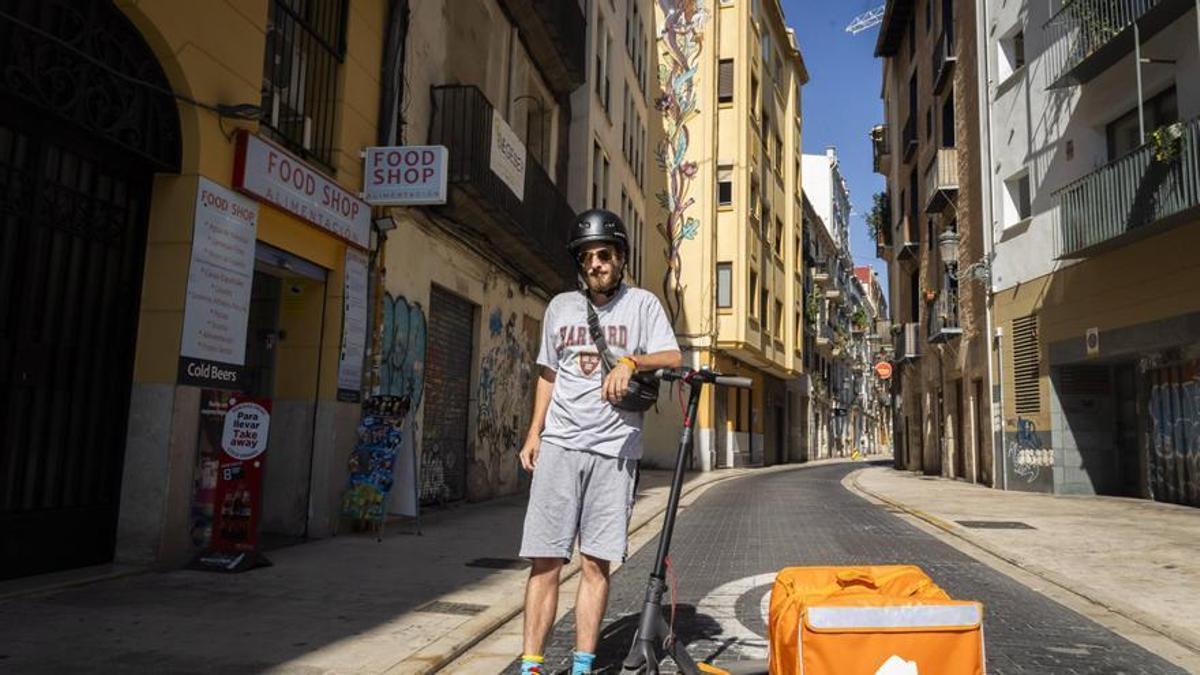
(1137, 63)
(392, 98)
(992, 335)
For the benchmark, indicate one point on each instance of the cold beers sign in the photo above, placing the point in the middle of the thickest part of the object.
(221, 272)
(274, 175)
(405, 175)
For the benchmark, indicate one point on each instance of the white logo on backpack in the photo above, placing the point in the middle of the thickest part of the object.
(896, 665)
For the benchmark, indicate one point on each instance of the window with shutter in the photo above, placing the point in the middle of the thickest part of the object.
(1026, 359)
(725, 81)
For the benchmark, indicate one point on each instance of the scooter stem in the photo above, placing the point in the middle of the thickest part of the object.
(654, 639)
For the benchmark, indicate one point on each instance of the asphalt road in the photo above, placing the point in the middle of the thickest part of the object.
(729, 543)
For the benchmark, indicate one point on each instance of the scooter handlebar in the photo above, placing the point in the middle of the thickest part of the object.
(703, 376)
(732, 381)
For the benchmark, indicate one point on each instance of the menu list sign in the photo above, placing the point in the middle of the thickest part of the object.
(354, 326)
(213, 347)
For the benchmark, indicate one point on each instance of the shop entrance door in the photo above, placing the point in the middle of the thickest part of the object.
(283, 363)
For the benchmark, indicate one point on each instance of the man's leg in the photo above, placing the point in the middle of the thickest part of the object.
(541, 602)
(590, 602)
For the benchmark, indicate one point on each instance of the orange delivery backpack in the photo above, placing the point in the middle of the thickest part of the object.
(871, 620)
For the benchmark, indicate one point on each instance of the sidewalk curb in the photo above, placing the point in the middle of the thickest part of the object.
(1185, 641)
(451, 648)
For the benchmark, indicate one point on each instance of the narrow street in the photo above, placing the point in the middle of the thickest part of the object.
(729, 543)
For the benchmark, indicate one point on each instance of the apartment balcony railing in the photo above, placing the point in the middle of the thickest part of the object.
(1135, 196)
(1086, 37)
(824, 333)
(819, 273)
(882, 335)
(880, 150)
(943, 317)
(908, 243)
(555, 33)
(909, 137)
(943, 61)
(908, 346)
(527, 230)
(941, 180)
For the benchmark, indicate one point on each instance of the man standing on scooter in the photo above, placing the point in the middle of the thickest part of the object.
(583, 444)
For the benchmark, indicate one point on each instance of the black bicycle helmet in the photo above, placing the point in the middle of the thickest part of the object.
(598, 225)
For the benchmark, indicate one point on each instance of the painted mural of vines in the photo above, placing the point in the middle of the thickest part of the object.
(681, 39)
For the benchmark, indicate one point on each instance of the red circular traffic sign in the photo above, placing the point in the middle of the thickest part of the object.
(883, 369)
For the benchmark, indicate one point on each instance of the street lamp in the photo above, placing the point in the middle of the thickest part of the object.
(980, 271)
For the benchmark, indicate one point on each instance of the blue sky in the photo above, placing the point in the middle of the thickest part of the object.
(841, 101)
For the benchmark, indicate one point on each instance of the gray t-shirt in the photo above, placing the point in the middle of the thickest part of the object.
(579, 418)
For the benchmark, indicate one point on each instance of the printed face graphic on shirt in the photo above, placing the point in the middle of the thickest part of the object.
(588, 363)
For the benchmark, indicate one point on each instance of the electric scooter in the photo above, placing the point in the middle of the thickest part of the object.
(654, 639)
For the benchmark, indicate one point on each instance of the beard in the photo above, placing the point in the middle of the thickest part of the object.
(599, 283)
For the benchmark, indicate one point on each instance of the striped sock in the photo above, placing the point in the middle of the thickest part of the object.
(583, 663)
(531, 664)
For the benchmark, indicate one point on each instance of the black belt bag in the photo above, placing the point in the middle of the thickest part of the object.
(642, 393)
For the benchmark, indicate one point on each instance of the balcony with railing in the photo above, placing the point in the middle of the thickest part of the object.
(555, 33)
(943, 60)
(819, 272)
(908, 346)
(1144, 192)
(909, 137)
(824, 332)
(943, 316)
(1086, 37)
(941, 180)
(527, 230)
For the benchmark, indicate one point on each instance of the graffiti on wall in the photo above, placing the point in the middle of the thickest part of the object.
(1173, 466)
(682, 39)
(1027, 456)
(402, 343)
(504, 398)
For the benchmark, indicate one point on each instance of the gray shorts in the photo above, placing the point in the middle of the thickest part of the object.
(576, 493)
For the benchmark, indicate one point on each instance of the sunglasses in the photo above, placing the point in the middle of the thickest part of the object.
(604, 255)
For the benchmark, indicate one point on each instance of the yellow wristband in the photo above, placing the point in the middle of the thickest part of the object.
(628, 360)
(536, 658)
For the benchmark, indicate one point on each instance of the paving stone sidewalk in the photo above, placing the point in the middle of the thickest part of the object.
(348, 604)
(1139, 558)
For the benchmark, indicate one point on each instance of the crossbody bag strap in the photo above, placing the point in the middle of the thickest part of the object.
(606, 356)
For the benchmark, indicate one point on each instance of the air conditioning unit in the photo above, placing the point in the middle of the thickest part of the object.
(909, 346)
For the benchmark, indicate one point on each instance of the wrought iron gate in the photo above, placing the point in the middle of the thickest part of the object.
(447, 395)
(72, 236)
(86, 116)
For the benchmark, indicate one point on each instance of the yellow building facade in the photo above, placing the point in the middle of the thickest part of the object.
(729, 273)
(208, 276)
